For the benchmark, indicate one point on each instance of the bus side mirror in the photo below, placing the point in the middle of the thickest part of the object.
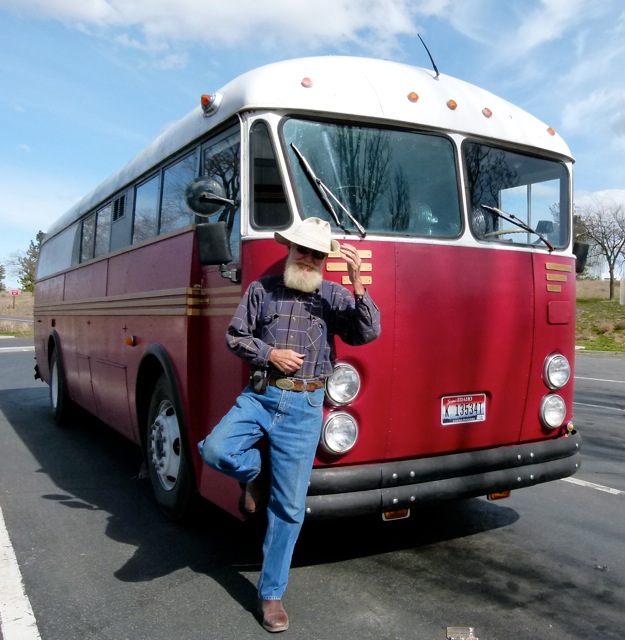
(206, 197)
(580, 250)
(213, 243)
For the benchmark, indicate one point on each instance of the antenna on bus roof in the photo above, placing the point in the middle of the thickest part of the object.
(431, 58)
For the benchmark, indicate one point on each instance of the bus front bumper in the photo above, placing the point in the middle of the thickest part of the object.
(336, 492)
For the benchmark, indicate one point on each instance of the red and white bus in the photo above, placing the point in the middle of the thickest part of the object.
(460, 205)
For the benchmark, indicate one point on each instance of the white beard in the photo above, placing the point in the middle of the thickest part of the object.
(301, 278)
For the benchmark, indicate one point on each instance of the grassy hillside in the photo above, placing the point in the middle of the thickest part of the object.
(20, 306)
(600, 323)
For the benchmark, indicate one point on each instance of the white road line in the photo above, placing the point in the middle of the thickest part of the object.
(16, 615)
(598, 406)
(597, 487)
(600, 380)
(8, 349)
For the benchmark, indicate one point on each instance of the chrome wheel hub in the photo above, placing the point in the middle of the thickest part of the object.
(164, 445)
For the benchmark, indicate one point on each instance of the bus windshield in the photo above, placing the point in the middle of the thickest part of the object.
(532, 190)
(391, 181)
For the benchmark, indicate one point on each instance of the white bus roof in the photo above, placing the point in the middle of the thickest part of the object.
(365, 88)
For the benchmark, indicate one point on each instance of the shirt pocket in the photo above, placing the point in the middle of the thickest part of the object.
(269, 329)
(314, 334)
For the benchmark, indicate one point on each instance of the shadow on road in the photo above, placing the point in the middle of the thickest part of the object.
(95, 468)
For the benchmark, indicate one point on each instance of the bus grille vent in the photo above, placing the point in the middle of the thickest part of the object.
(119, 207)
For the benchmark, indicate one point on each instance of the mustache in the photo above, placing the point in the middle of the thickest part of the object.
(307, 265)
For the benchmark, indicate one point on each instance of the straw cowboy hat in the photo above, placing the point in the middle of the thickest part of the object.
(313, 233)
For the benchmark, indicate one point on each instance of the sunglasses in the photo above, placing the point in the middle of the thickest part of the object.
(317, 255)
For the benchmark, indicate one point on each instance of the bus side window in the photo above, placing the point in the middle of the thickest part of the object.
(174, 210)
(103, 231)
(270, 207)
(146, 210)
(60, 252)
(221, 161)
(87, 242)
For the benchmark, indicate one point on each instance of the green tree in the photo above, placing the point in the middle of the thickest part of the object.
(2, 276)
(26, 263)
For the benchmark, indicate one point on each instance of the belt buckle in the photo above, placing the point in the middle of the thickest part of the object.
(285, 384)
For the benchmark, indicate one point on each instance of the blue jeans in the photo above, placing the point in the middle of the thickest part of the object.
(292, 423)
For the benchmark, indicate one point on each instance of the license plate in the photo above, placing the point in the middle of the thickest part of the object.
(470, 408)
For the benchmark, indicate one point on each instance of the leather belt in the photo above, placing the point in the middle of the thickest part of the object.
(296, 384)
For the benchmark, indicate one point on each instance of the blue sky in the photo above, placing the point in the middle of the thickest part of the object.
(86, 84)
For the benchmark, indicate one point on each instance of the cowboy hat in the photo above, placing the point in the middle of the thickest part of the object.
(313, 233)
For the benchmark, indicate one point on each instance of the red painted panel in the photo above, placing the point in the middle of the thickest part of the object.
(160, 265)
(86, 282)
(464, 326)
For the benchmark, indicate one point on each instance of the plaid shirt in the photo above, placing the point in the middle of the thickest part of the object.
(295, 320)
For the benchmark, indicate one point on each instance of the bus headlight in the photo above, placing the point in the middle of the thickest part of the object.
(343, 385)
(557, 371)
(339, 433)
(552, 411)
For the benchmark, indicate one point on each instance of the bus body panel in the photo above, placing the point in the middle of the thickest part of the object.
(139, 295)
(554, 332)
(463, 326)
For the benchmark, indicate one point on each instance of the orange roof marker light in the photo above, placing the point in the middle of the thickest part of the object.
(307, 83)
(452, 104)
(487, 113)
(210, 103)
(413, 96)
(551, 131)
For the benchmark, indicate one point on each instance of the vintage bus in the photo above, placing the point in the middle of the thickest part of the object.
(460, 206)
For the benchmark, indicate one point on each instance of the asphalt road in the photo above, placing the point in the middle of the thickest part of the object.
(98, 561)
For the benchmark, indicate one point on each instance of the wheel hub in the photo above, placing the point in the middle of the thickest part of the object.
(164, 445)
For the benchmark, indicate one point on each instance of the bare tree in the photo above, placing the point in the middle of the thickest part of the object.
(364, 158)
(603, 223)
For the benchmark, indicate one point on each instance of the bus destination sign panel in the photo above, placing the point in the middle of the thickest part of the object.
(457, 409)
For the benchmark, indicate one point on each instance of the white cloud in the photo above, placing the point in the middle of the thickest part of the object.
(616, 196)
(548, 22)
(269, 24)
(583, 111)
(517, 27)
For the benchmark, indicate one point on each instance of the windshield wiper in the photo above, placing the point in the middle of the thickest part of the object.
(509, 217)
(323, 191)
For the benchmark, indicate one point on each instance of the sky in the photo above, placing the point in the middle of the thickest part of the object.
(86, 84)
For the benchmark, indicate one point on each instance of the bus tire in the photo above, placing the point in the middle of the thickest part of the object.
(60, 402)
(166, 456)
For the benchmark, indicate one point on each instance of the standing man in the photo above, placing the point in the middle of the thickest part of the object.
(284, 327)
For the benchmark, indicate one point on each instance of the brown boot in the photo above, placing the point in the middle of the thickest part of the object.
(274, 616)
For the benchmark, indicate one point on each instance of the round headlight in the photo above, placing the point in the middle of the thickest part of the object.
(343, 385)
(339, 433)
(557, 371)
(552, 411)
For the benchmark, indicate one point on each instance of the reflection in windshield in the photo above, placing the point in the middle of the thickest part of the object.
(531, 190)
(391, 181)
(327, 196)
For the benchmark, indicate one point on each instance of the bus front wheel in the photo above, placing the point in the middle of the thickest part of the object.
(165, 451)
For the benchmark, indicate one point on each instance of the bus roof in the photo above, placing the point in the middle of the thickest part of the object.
(365, 88)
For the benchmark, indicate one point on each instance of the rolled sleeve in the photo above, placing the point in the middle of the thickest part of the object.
(357, 319)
